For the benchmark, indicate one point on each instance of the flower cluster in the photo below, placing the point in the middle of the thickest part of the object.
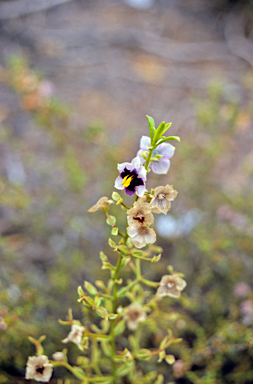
(154, 155)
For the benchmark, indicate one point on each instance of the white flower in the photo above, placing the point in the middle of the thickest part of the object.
(38, 368)
(161, 200)
(132, 177)
(58, 356)
(140, 214)
(166, 150)
(171, 285)
(141, 235)
(134, 314)
(75, 335)
(102, 203)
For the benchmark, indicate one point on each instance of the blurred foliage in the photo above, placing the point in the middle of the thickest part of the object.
(49, 244)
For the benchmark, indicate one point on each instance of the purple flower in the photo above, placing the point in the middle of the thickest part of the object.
(132, 177)
(166, 150)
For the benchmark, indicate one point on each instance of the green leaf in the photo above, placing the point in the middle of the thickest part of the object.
(116, 196)
(156, 258)
(123, 249)
(151, 376)
(106, 347)
(115, 231)
(80, 291)
(102, 312)
(113, 316)
(159, 380)
(100, 284)
(107, 265)
(138, 253)
(124, 369)
(162, 129)
(103, 257)
(111, 243)
(170, 359)
(161, 356)
(78, 372)
(120, 327)
(125, 261)
(111, 220)
(90, 288)
(87, 301)
(163, 342)
(151, 124)
(177, 138)
(143, 354)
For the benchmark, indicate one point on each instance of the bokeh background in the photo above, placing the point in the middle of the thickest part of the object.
(77, 78)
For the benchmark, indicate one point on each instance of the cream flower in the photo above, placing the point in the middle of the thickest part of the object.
(140, 214)
(161, 201)
(58, 356)
(38, 368)
(103, 202)
(134, 314)
(75, 335)
(171, 285)
(141, 235)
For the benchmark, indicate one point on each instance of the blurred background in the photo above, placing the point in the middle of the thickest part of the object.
(77, 78)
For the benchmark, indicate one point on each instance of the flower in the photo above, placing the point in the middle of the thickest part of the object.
(102, 203)
(161, 200)
(241, 289)
(171, 285)
(75, 335)
(134, 314)
(141, 235)
(140, 214)
(132, 177)
(38, 368)
(58, 356)
(178, 369)
(166, 150)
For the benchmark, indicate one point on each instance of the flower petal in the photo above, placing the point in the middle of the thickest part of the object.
(136, 162)
(132, 231)
(181, 283)
(150, 237)
(119, 183)
(140, 190)
(145, 142)
(161, 167)
(166, 150)
(122, 166)
(142, 173)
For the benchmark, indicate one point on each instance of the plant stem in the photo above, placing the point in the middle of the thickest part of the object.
(114, 303)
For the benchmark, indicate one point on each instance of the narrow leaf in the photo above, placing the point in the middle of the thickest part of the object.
(151, 124)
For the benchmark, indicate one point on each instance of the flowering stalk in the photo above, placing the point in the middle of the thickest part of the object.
(106, 299)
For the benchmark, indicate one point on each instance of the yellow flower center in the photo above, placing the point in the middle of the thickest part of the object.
(127, 180)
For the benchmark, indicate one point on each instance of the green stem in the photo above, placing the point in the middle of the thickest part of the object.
(138, 268)
(150, 283)
(114, 307)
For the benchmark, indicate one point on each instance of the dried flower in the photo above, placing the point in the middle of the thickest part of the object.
(140, 214)
(38, 368)
(103, 203)
(161, 201)
(134, 314)
(75, 335)
(132, 177)
(141, 235)
(171, 285)
(166, 150)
